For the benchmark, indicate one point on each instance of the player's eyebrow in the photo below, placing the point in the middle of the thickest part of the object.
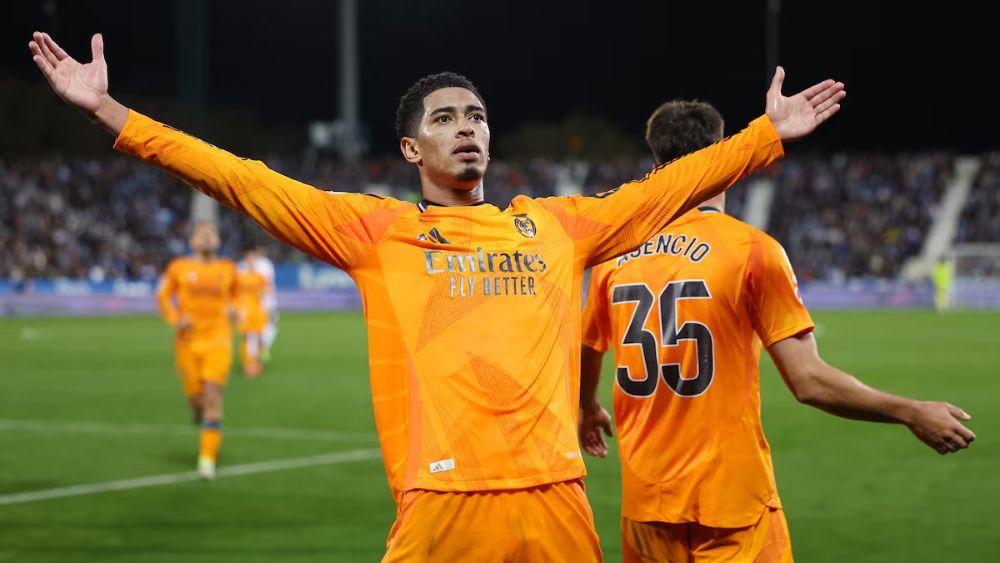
(446, 109)
(453, 109)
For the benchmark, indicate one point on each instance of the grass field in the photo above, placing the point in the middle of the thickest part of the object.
(95, 401)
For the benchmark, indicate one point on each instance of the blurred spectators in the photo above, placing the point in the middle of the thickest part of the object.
(117, 218)
(121, 219)
(980, 220)
(856, 216)
(87, 219)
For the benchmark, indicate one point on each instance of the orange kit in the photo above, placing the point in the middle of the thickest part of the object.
(686, 313)
(202, 294)
(473, 312)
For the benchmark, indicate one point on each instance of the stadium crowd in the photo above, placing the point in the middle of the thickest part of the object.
(858, 216)
(88, 219)
(979, 221)
(839, 218)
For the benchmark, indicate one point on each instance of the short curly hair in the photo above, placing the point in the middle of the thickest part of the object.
(411, 104)
(679, 127)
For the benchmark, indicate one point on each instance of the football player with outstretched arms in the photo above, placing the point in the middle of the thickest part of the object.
(472, 311)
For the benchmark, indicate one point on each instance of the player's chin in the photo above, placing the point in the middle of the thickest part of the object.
(470, 174)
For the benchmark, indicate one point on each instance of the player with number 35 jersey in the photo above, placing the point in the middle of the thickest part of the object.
(687, 313)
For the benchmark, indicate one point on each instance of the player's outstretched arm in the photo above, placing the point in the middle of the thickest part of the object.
(816, 383)
(291, 211)
(624, 218)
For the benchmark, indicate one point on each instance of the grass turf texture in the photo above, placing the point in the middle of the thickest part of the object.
(852, 491)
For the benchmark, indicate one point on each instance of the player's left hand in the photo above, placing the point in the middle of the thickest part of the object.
(796, 116)
(937, 425)
(592, 421)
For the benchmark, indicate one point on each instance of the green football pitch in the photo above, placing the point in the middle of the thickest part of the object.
(96, 448)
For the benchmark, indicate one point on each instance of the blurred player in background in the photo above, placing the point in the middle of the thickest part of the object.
(473, 327)
(686, 314)
(196, 297)
(943, 276)
(251, 314)
(260, 263)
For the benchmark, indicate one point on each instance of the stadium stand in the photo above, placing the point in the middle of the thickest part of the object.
(840, 218)
(979, 218)
(858, 216)
(87, 219)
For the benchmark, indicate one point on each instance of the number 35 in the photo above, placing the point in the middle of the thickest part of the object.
(670, 336)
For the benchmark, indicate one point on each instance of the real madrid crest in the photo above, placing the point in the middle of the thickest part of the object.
(525, 226)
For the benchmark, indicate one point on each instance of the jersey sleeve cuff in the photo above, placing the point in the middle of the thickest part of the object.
(594, 345)
(129, 139)
(770, 137)
(789, 332)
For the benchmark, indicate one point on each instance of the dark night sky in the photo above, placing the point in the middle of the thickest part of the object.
(916, 79)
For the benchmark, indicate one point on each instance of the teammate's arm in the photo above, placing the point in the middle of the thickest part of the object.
(165, 292)
(618, 221)
(785, 328)
(818, 384)
(232, 296)
(594, 418)
(299, 215)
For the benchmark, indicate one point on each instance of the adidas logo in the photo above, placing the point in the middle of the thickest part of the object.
(433, 235)
(443, 465)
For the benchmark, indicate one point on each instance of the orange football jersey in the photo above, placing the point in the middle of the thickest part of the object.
(473, 312)
(201, 292)
(251, 288)
(686, 313)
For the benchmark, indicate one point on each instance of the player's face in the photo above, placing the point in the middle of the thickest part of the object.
(204, 238)
(453, 143)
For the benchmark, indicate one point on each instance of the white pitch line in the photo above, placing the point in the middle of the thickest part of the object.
(81, 427)
(186, 476)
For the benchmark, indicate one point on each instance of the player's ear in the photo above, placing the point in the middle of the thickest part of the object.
(408, 146)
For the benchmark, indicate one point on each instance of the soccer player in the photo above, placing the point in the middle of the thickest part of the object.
(472, 315)
(196, 297)
(686, 313)
(252, 287)
(265, 267)
(942, 276)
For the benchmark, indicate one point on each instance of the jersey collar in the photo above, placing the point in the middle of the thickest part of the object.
(425, 203)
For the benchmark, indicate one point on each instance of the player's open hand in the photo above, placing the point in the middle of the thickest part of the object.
(796, 116)
(84, 86)
(937, 425)
(593, 420)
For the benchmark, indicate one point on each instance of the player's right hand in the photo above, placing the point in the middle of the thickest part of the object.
(796, 116)
(937, 425)
(593, 420)
(184, 324)
(84, 86)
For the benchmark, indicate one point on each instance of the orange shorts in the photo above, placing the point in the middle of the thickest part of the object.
(765, 542)
(544, 524)
(197, 364)
(252, 319)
